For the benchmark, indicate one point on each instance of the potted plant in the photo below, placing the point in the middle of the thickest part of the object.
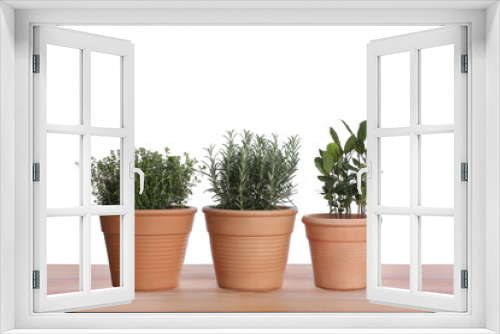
(162, 219)
(337, 239)
(249, 226)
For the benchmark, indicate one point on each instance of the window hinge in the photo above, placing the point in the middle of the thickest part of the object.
(464, 279)
(36, 279)
(36, 63)
(464, 171)
(36, 172)
(465, 64)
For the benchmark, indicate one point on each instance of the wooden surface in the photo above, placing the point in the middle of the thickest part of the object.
(198, 291)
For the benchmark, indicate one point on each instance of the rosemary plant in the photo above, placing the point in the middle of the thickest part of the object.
(338, 165)
(255, 173)
(168, 180)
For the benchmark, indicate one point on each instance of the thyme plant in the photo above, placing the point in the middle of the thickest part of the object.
(168, 180)
(254, 173)
(338, 165)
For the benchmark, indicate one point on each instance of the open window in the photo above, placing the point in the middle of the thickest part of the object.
(482, 225)
(420, 123)
(417, 151)
(80, 77)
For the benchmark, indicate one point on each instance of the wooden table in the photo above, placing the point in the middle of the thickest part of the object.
(198, 291)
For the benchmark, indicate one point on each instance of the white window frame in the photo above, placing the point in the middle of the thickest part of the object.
(483, 103)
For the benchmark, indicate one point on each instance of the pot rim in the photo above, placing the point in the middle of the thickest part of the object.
(320, 219)
(167, 212)
(286, 211)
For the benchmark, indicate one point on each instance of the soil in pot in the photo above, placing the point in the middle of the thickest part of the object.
(250, 248)
(338, 251)
(161, 238)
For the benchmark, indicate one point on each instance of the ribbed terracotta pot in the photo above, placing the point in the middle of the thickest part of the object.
(338, 251)
(250, 248)
(161, 238)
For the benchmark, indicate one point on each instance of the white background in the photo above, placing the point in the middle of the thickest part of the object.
(194, 83)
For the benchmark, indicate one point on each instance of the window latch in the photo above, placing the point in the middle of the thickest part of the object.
(133, 170)
(368, 171)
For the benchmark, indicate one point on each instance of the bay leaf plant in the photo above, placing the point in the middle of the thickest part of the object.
(168, 179)
(339, 164)
(252, 172)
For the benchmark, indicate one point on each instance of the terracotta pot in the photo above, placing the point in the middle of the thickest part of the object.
(250, 248)
(161, 237)
(338, 251)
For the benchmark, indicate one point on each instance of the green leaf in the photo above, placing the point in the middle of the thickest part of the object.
(349, 144)
(347, 127)
(362, 131)
(334, 150)
(319, 165)
(328, 159)
(351, 167)
(335, 136)
(359, 147)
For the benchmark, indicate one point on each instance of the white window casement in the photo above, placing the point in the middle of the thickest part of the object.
(84, 47)
(417, 126)
(479, 305)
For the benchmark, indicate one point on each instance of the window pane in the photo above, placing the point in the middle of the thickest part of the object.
(63, 85)
(105, 90)
(63, 255)
(105, 248)
(63, 173)
(437, 254)
(395, 171)
(437, 173)
(437, 85)
(105, 152)
(395, 90)
(395, 251)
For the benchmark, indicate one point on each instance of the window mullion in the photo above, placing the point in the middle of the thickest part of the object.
(414, 172)
(85, 175)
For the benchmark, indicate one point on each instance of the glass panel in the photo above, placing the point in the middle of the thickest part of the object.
(395, 171)
(437, 254)
(437, 170)
(437, 85)
(63, 255)
(63, 173)
(105, 152)
(395, 90)
(105, 251)
(395, 251)
(63, 85)
(105, 90)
